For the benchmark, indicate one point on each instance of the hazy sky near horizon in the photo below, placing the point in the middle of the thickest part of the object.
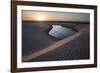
(29, 15)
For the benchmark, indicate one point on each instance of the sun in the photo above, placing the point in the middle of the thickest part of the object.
(40, 17)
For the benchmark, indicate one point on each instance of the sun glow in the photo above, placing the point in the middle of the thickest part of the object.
(40, 17)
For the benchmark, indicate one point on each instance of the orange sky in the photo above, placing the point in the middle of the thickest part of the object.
(54, 16)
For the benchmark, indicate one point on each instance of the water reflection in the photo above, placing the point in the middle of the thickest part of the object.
(61, 32)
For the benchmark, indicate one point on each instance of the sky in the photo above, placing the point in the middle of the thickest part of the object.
(29, 15)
